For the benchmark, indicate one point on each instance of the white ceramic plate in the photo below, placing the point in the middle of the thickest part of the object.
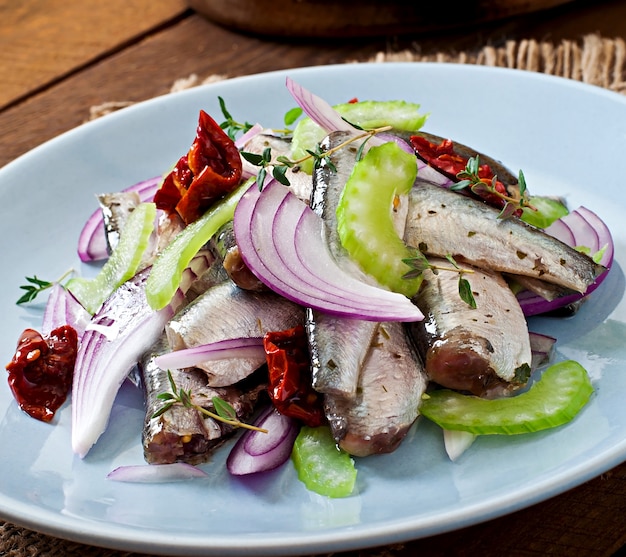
(569, 139)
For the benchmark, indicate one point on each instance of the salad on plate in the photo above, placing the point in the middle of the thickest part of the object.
(304, 296)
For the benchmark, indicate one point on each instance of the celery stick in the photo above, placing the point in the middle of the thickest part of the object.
(321, 465)
(123, 262)
(554, 400)
(401, 115)
(169, 266)
(365, 215)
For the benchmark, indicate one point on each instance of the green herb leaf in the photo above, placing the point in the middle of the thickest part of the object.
(253, 158)
(292, 115)
(465, 292)
(163, 409)
(279, 173)
(224, 409)
(260, 178)
(32, 290)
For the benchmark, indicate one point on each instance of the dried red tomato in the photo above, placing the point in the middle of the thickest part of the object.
(444, 158)
(209, 171)
(40, 373)
(289, 368)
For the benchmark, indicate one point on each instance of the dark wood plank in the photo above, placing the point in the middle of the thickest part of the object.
(40, 42)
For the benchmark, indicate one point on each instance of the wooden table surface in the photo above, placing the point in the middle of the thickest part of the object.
(58, 58)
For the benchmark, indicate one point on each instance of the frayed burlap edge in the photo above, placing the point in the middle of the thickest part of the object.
(593, 59)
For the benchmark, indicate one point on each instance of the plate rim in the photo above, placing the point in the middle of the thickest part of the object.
(395, 530)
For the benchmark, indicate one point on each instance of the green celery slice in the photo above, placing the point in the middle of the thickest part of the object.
(401, 115)
(321, 465)
(123, 262)
(547, 211)
(168, 268)
(552, 401)
(364, 216)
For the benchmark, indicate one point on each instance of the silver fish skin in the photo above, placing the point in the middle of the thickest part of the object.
(225, 249)
(442, 222)
(485, 350)
(226, 311)
(338, 346)
(390, 388)
(183, 434)
(116, 208)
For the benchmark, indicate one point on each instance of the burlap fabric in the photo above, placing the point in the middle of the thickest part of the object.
(593, 59)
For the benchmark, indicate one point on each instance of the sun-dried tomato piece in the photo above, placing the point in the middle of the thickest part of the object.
(40, 373)
(209, 171)
(289, 366)
(444, 158)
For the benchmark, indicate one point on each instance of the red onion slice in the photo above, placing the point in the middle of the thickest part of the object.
(114, 340)
(156, 473)
(252, 132)
(223, 349)
(92, 245)
(256, 451)
(62, 308)
(581, 227)
(280, 239)
(541, 347)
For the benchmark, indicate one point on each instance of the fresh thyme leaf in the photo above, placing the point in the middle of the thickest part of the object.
(185, 398)
(360, 151)
(224, 412)
(260, 177)
(224, 409)
(266, 157)
(229, 125)
(330, 164)
(223, 108)
(292, 115)
(285, 161)
(252, 158)
(165, 396)
(36, 286)
(481, 189)
(163, 409)
(465, 292)
(171, 382)
(452, 261)
(460, 185)
(507, 211)
(521, 182)
(279, 173)
(356, 126)
(418, 265)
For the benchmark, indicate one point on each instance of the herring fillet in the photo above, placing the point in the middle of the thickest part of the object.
(390, 387)
(338, 346)
(442, 222)
(183, 434)
(484, 350)
(226, 311)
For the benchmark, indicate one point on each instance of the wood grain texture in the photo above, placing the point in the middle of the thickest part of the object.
(41, 42)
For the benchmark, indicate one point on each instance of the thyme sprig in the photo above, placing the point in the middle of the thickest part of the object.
(279, 166)
(231, 126)
(224, 412)
(469, 178)
(419, 263)
(36, 286)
